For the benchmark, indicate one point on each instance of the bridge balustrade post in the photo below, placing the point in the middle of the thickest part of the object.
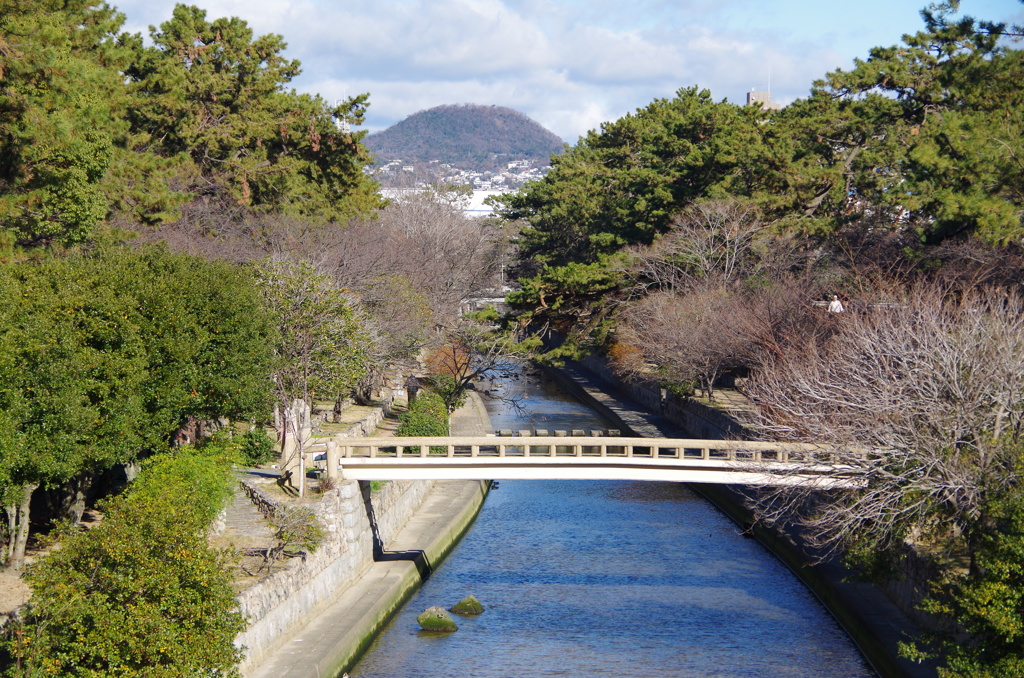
(451, 451)
(424, 450)
(474, 450)
(705, 453)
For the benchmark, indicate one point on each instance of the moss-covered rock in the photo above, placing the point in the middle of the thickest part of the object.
(468, 606)
(436, 618)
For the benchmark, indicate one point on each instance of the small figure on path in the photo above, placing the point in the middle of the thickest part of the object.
(835, 306)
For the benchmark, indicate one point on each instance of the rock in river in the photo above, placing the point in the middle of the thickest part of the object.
(436, 618)
(468, 606)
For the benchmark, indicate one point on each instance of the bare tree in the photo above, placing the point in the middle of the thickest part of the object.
(443, 253)
(709, 239)
(689, 337)
(778, 316)
(469, 352)
(922, 401)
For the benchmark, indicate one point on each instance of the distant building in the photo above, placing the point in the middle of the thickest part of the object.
(762, 99)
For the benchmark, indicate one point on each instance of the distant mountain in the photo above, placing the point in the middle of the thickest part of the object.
(467, 136)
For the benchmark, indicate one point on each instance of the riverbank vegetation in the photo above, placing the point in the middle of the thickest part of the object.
(698, 243)
(142, 593)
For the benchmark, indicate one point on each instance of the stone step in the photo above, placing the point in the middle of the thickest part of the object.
(244, 522)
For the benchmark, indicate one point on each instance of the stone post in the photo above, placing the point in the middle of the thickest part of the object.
(332, 460)
(304, 428)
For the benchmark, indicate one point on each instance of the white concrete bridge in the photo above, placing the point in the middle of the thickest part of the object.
(586, 458)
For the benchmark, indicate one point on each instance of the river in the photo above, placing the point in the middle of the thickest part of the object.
(595, 578)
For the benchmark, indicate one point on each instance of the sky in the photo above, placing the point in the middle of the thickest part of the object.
(568, 64)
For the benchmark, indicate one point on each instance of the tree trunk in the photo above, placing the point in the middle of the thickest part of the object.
(19, 532)
(68, 501)
(295, 434)
(12, 526)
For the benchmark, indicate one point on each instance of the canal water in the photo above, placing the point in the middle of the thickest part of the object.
(595, 578)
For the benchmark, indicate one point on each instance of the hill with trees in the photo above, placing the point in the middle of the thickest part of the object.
(467, 136)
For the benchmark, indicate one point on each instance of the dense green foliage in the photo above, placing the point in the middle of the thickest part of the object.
(622, 185)
(61, 104)
(142, 593)
(211, 96)
(256, 447)
(940, 125)
(427, 416)
(104, 356)
(989, 606)
(924, 137)
(466, 136)
(95, 124)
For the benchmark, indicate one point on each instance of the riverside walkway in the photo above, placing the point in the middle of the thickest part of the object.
(562, 457)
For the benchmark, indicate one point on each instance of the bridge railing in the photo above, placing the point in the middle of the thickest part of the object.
(585, 446)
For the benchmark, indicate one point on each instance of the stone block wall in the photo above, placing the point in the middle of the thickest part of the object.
(281, 602)
(700, 420)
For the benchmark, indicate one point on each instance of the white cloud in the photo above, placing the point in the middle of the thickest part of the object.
(569, 64)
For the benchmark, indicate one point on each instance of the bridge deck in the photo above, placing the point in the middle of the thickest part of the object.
(585, 457)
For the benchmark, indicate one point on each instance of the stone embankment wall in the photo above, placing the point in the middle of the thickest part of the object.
(701, 421)
(282, 601)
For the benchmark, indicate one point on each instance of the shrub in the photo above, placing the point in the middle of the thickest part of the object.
(426, 416)
(142, 593)
(256, 447)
